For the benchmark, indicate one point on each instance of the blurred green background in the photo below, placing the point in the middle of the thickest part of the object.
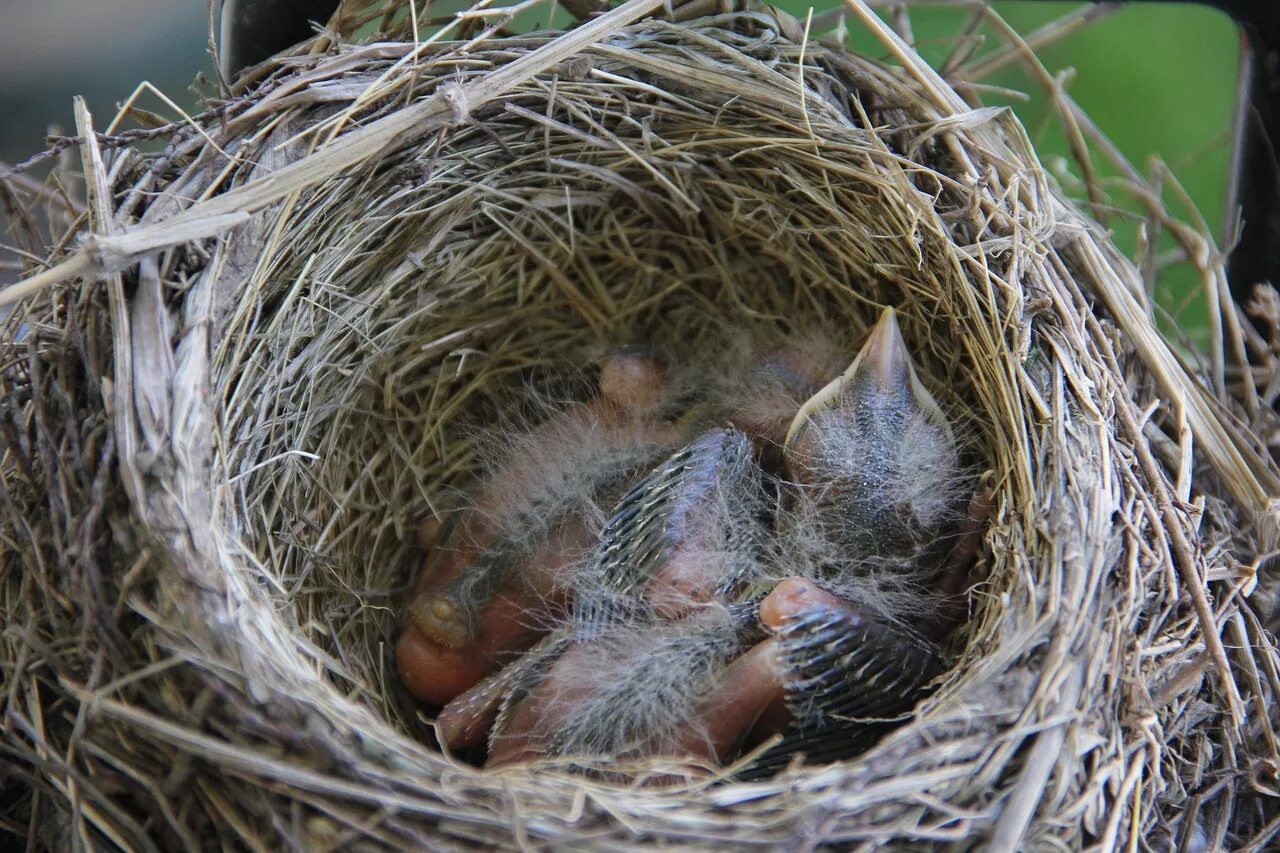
(1159, 79)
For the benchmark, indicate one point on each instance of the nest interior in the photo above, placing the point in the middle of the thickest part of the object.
(214, 456)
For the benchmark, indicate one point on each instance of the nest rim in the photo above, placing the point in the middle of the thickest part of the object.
(1048, 411)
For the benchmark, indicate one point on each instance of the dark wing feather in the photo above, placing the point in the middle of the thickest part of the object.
(521, 677)
(654, 516)
(849, 677)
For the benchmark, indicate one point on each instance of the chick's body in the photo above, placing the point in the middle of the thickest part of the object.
(875, 508)
(650, 621)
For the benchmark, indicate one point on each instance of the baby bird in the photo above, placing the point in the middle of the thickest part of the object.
(872, 541)
(489, 594)
(649, 621)
(877, 487)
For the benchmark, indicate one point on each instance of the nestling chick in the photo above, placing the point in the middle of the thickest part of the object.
(649, 620)
(877, 485)
(872, 543)
(491, 592)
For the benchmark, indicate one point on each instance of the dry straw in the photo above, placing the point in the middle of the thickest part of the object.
(242, 373)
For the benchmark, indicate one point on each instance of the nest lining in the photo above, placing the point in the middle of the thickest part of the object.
(229, 550)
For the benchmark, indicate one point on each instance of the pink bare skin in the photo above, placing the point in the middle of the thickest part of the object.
(537, 718)
(438, 656)
(783, 379)
(683, 583)
(444, 651)
(465, 722)
(747, 695)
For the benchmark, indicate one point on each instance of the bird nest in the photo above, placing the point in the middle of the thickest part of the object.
(229, 399)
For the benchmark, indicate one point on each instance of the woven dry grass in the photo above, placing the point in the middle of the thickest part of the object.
(225, 405)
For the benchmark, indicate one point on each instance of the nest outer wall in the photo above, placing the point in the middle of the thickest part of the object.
(213, 455)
